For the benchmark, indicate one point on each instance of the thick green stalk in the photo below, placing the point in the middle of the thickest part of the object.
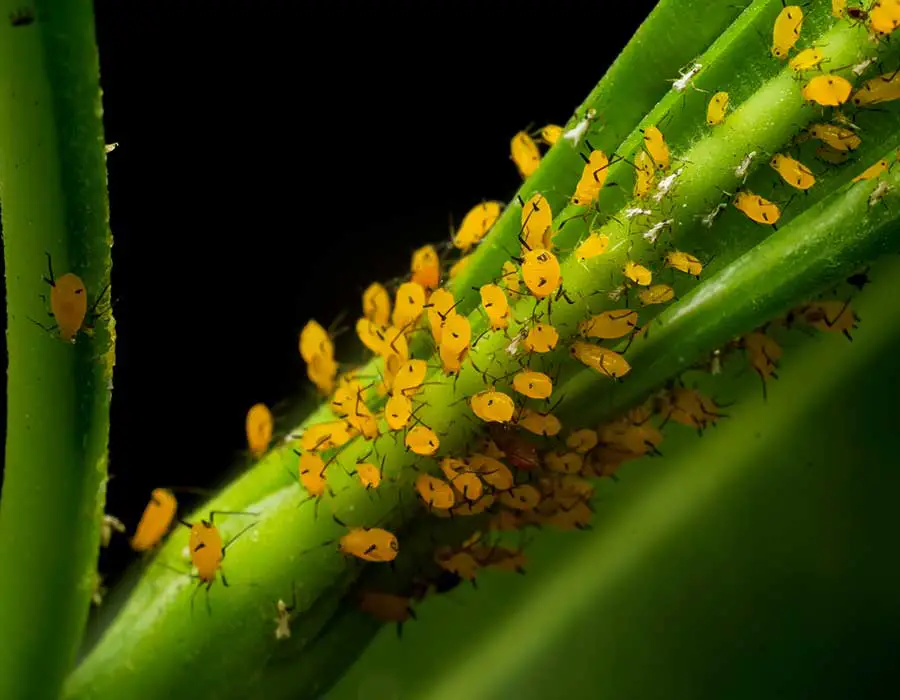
(54, 201)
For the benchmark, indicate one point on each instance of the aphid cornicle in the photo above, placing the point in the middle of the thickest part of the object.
(259, 425)
(156, 520)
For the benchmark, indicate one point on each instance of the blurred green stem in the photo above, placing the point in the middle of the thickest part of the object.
(54, 201)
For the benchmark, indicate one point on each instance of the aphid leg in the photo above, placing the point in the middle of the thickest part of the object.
(233, 539)
(52, 280)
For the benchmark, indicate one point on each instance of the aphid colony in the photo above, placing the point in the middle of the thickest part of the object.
(525, 468)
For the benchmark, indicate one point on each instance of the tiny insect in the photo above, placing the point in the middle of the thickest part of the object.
(434, 492)
(537, 217)
(457, 334)
(597, 357)
(757, 208)
(608, 325)
(644, 175)
(577, 132)
(259, 429)
(742, 169)
(656, 294)
(879, 193)
(715, 110)
(156, 520)
(476, 224)
(792, 171)
(632, 212)
(541, 337)
(827, 154)
(523, 497)
(494, 473)
(110, 147)
(830, 316)
(593, 178)
(684, 262)
(409, 303)
(653, 232)
(496, 306)
(518, 451)
(686, 77)
(284, 613)
(839, 138)
(655, 146)
(786, 30)
(638, 274)
(592, 246)
(541, 272)
(884, 16)
(882, 88)
(108, 525)
(827, 90)
(510, 277)
(525, 154)
(376, 304)
(315, 341)
(372, 544)
(492, 406)
(422, 441)
(808, 59)
(862, 66)
(666, 184)
(543, 424)
(873, 171)
(69, 304)
(534, 385)
(838, 8)
(709, 219)
(426, 267)
(764, 354)
(582, 441)
(387, 607)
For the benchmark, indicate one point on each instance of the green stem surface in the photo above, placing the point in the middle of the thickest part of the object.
(54, 200)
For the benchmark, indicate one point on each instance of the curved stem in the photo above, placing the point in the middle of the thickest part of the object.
(53, 189)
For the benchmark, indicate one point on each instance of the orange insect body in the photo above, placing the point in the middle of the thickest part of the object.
(456, 334)
(757, 209)
(829, 316)
(882, 88)
(369, 475)
(494, 472)
(435, 492)
(715, 110)
(476, 224)
(656, 294)
(440, 308)
(873, 171)
(541, 272)
(786, 31)
(426, 268)
(541, 338)
(582, 441)
(839, 138)
(370, 544)
(644, 175)
(568, 463)
(593, 177)
(655, 146)
(764, 353)
(492, 406)
(326, 436)
(156, 520)
(691, 408)
(386, 607)
(592, 246)
(496, 306)
(525, 154)
(423, 441)
(550, 134)
(609, 324)
(534, 385)
(684, 262)
(259, 429)
(792, 171)
(827, 90)
(544, 424)
(409, 304)
(638, 274)
(510, 277)
(314, 341)
(884, 17)
(311, 469)
(398, 411)
(808, 59)
(410, 377)
(68, 302)
(523, 497)
(207, 550)
(377, 304)
(537, 219)
(604, 360)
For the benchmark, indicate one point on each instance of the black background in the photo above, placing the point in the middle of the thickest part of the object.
(274, 159)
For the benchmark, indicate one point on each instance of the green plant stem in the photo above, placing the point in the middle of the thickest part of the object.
(54, 200)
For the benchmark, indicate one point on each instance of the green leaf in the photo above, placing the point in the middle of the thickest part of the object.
(54, 200)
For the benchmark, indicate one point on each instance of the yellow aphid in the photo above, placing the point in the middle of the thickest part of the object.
(457, 334)
(593, 177)
(495, 306)
(592, 246)
(494, 473)
(638, 274)
(540, 272)
(426, 267)
(873, 171)
(476, 224)
(684, 262)
(838, 8)
(435, 492)
(537, 218)
(831, 315)
(377, 304)
(460, 265)
(792, 171)
(259, 429)
(422, 440)
(453, 467)
(541, 338)
(609, 324)
(837, 137)
(328, 435)
(439, 309)
(715, 110)
(468, 485)
(582, 441)
(525, 154)
(644, 175)
(397, 411)
(409, 302)
(312, 474)
(827, 90)
(372, 335)
(314, 341)
(492, 406)
(410, 377)
(545, 424)
(322, 371)
(396, 348)
(763, 353)
(786, 31)
(884, 17)
(524, 497)
(656, 294)
(757, 208)
(451, 361)
(882, 88)
(829, 155)
(808, 59)
(604, 360)
(550, 134)
(568, 463)
(534, 385)
(510, 277)
(655, 146)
